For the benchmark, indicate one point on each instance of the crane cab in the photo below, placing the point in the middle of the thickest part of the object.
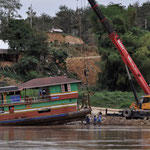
(144, 103)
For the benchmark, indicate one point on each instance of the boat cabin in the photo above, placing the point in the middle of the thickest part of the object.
(9, 94)
(50, 88)
(37, 93)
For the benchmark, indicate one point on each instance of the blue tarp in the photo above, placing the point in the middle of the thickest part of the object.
(15, 98)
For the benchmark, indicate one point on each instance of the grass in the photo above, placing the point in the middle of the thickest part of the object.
(115, 99)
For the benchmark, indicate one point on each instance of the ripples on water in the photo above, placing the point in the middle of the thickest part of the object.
(74, 138)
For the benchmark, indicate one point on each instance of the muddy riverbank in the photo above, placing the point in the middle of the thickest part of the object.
(115, 120)
(107, 120)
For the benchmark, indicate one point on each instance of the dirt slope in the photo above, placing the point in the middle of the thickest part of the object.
(62, 38)
(79, 64)
(5, 81)
(84, 57)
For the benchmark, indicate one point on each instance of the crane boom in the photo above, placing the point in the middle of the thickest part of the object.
(121, 48)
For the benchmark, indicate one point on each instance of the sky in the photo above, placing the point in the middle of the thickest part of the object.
(50, 7)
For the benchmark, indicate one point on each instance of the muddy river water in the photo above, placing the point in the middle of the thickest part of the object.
(71, 137)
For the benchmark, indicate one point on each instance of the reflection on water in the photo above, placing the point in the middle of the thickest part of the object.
(74, 138)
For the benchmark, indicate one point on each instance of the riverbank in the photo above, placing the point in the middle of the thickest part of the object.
(115, 120)
(97, 110)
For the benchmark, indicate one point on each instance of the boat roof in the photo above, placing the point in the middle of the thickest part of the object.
(9, 89)
(48, 81)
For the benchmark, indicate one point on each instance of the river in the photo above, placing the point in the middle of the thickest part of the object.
(72, 137)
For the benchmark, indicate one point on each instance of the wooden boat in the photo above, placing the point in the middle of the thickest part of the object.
(42, 101)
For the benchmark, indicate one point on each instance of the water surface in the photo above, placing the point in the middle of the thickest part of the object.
(70, 137)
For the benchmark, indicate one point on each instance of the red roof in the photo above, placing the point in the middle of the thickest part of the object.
(49, 81)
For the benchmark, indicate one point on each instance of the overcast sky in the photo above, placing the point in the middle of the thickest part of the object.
(52, 6)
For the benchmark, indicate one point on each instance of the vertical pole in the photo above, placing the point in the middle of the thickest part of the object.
(132, 85)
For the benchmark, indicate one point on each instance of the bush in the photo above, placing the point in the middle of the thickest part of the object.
(115, 99)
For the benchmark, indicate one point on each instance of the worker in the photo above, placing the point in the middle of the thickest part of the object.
(43, 92)
(84, 101)
(99, 118)
(94, 120)
(87, 119)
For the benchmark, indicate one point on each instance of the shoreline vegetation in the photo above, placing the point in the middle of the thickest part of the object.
(114, 99)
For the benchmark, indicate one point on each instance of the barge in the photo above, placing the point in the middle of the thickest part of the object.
(42, 101)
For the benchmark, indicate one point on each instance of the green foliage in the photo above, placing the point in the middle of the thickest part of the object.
(30, 44)
(59, 56)
(136, 41)
(131, 16)
(58, 63)
(26, 64)
(119, 24)
(33, 74)
(23, 38)
(42, 23)
(143, 16)
(115, 99)
(17, 33)
(39, 59)
(63, 18)
(8, 8)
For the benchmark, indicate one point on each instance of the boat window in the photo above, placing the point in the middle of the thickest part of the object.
(10, 93)
(1, 98)
(1, 109)
(44, 110)
(17, 92)
(65, 87)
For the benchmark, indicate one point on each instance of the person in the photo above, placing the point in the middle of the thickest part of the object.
(99, 118)
(87, 119)
(40, 92)
(84, 101)
(43, 92)
(94, 120)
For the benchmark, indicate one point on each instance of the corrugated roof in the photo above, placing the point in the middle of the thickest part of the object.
(8, 89)
(49, 81)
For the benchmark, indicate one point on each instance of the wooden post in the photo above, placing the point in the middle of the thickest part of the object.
(106, 111)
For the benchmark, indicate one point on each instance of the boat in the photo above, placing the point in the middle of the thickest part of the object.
(41, 101)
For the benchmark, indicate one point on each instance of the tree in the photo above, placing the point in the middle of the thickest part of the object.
(114, 76)
(131, 16)
(63, 19)
(38, 58)
(43, 22)
(17, 33)
(30, 44)
(143, 16)
(142, 56)
(31, 14)
(8, 8)
(58, 61)
(22, 38)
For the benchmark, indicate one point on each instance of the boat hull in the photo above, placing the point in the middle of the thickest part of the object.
(47, 119)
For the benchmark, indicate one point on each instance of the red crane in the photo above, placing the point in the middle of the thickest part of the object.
(121, 48)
